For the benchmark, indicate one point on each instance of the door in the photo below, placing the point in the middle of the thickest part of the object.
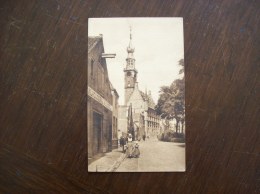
(97, 129)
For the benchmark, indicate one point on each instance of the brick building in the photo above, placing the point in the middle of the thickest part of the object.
(100, 99)
(115, 97)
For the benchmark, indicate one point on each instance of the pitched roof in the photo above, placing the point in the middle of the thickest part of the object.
(149, 99)
(92, 41)
(113, 89)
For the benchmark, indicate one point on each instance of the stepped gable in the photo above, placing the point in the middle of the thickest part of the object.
(149, 98)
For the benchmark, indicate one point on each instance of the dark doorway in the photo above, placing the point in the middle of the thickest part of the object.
(110, 138)
(97, 129)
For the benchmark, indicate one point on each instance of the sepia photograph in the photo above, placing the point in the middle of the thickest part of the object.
(129, 97)
(136, 95)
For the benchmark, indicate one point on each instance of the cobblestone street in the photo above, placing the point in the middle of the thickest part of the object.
(156, 156)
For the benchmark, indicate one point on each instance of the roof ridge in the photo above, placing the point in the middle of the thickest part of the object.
(95, 40)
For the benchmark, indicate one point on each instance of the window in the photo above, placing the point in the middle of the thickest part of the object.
(92, 68)
(100, 80)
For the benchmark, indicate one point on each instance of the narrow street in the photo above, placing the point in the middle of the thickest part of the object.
(156, 156)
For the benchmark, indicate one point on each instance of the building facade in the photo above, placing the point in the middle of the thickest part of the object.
(122, 120)
(144, 115)
(115, 97)
(100, 100)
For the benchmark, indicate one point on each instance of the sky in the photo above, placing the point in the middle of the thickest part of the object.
(158, 44)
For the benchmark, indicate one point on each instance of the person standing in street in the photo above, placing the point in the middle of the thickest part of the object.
(130, 146)
(122, 143)
(130, 139)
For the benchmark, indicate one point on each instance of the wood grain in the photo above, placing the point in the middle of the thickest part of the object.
(43, 97)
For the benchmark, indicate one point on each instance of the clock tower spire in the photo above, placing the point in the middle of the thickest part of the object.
(130, 71)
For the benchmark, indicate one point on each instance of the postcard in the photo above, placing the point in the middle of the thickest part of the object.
(136, 95)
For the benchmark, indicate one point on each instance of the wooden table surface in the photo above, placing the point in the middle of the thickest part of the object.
(43, 97)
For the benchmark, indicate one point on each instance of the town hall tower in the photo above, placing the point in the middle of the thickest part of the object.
(130, 71)
(145, 119)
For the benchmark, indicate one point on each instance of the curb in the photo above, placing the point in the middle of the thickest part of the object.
(117, 163)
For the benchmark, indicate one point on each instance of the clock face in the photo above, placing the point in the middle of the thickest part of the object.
(129, 74)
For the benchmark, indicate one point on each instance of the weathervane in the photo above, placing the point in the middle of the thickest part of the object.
(130, 31)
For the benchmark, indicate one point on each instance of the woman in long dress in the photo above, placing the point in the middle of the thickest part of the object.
(129, 150)
(132, 148)
(136, 152)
